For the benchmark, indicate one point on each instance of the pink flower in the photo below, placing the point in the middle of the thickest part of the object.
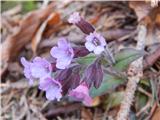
(74, 18)
(77, 20)
(63, 53)
(81, 93)
(39, 68)
(95, 42)
(52, 87)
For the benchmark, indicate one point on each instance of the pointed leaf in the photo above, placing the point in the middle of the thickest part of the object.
(109, 82)
(125, 57)
(114, 99)
(140, 101)
(88, 59)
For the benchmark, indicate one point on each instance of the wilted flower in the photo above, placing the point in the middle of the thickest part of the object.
(63, 53)
(81, 93)
(52, 88)
(39, 68)
(76, 19)
(95, 42)
(94, 74)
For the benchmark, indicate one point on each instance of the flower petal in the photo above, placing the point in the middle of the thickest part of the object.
(45, 83)
(81, 93)
(90, 46)
(89, 37)
(57, 52)
(98, 50)
(63, 63)
(87, 101)
(74, 18)
(102, 40)
(52, 87)
(24, 62)
(63, 44)
(53, 93)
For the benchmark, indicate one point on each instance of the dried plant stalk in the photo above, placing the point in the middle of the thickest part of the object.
(135, 72)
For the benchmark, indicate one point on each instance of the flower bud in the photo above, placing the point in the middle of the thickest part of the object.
(80, 51)
(94, 74)
(76, 19)
(69, 78)
(81, 93)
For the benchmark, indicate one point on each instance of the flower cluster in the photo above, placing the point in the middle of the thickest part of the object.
(68, 77)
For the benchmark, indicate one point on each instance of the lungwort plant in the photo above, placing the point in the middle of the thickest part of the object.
(80, 72)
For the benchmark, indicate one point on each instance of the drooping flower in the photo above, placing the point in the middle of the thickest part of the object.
(76, 19)
(81, 93)
(93, 74)
(95, 42)
(52, 88)
(63, 53)
(39, 68)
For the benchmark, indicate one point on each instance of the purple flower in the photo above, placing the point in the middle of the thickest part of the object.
(94, 74)
(81, 93)
(95, 42)
(39, 68)
(63, 53)
(52, 88)
(85, 27)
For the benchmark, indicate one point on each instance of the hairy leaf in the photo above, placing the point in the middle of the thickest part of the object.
(114, 99)
(109, 83)
(125, 57)
(87, 59)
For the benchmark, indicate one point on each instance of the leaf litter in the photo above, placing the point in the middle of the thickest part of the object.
(37, 31)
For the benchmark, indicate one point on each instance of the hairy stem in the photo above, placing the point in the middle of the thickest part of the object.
(135, 72)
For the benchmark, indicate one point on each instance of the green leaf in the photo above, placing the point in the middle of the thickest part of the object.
(109, 82)
(114, 99)
(154, 91)
(86, 59)
(141, 100)
(145, 82)
(125, 57)
(28, 6)
(127, 52)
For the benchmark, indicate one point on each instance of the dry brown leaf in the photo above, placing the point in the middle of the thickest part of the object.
(11, 47)
(53, 26)
(94, 20)
(150, 17)
(141, 8)
(156, 115)
(86, 114)
(28, 26)
(53, 19)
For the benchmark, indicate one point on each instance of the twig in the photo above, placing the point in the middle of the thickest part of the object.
(140, 89)
(13, 11)
(152, 111)
(16, 85)
(63, 109)
(135, 72)
(144, 108)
